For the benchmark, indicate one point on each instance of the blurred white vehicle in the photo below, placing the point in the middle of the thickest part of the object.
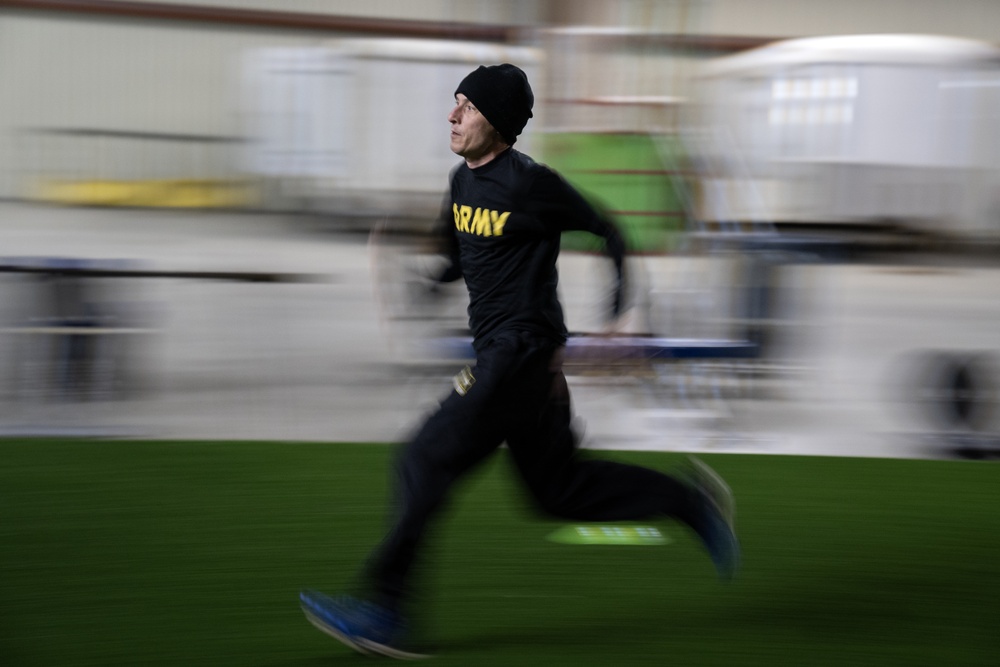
(854, 130)
(359, 127)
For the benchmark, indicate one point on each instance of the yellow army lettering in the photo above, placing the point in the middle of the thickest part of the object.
(481, 222)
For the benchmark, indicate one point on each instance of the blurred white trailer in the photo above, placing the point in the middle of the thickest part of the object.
(359, 127)
(900, 129)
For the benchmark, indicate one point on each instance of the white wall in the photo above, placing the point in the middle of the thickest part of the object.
(61, 70)
(58, 73)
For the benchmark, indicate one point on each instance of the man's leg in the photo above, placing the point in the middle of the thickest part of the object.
(463, 432)
(449, 443)
(453, 440)
(567, 483)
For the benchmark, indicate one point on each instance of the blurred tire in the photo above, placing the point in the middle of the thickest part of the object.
(954, 390)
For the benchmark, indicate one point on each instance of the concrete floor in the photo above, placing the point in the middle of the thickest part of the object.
(317, 358)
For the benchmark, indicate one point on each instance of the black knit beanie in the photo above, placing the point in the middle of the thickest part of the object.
(502, 94)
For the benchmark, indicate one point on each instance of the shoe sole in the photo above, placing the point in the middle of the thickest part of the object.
(374, 648)
(716, 488)
(360, 644)
(721, 497)
(326, 628)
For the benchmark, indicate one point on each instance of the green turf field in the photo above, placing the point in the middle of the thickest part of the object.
(160, 553)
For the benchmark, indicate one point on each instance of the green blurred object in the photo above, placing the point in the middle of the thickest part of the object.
(193, 553)
(625, 175)
(609, 535)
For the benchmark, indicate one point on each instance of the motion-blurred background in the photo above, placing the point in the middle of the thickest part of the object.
(214, 214)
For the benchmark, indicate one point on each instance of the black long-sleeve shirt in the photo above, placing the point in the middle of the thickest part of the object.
(503, 223)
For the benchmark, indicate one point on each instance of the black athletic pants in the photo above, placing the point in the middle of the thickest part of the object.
(519, 396)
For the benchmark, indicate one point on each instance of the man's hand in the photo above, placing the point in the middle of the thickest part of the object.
(622, 325)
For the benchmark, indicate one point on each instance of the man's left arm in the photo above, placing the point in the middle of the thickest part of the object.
(570, 211)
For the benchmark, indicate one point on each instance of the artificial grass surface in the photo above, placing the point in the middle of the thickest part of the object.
(177, 553)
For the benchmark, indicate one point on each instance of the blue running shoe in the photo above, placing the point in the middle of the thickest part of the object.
(364, 626)
(714, 519)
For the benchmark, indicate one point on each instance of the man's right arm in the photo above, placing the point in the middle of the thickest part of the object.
(447, 242)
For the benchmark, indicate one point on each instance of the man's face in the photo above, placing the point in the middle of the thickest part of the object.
(472, 136)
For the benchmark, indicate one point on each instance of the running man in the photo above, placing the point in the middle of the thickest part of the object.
(504, 215)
